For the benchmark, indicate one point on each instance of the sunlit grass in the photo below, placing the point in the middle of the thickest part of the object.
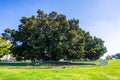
(110, 72)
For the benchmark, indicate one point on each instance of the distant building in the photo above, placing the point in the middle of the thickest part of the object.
(7, 57)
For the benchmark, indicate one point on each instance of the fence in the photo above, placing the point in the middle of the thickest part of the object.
(103, 62)
(55, 63)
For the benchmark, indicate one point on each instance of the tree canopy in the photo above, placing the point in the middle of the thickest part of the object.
(52, 37)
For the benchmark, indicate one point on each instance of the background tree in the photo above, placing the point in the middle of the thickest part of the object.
(52, 37)
(4, 47)
(108, 57)
(116, 56)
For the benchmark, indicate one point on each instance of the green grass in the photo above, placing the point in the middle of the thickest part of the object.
(110, 72)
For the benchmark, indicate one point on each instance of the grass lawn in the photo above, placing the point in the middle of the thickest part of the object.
(110, 72)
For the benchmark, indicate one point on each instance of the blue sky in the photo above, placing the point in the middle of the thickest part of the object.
(100, 17)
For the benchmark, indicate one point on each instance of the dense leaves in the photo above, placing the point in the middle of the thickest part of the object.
(53, 37)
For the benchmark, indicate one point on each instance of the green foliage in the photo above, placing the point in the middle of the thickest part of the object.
(108, 57)
(4, 47)
(52, 37)
(94, 47)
